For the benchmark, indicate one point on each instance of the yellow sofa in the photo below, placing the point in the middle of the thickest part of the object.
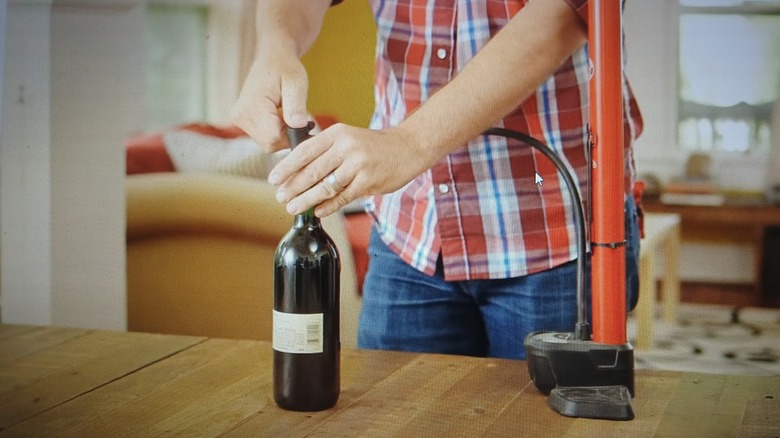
(200, 251)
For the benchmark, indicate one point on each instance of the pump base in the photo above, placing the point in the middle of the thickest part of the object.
(587, 379)
(600, 402)
(558, 359)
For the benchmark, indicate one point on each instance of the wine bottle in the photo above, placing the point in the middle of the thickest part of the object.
(306, 342)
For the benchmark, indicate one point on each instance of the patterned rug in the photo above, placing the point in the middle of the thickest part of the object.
(714, 339)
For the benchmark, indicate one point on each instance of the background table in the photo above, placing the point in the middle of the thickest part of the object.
(738, 221)
(662, 236)
(70, 382)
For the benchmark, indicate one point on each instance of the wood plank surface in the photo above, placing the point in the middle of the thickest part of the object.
(200, 391)
(715, 405)
(44, 368)
(19, 341)
(66, 382)
(360, 371)
(434, 393)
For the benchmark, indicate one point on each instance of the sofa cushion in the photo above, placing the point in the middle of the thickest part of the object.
(146, 153)
(194, 152)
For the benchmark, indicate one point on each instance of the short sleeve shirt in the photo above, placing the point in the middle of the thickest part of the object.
(480, 208)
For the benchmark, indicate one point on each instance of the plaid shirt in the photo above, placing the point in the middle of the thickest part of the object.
(480, 207)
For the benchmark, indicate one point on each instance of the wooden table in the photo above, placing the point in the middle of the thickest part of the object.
(738, 221)
(71, 382)
(662, 235)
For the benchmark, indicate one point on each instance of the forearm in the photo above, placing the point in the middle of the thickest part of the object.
(294, 24)
(500, 77)
(277, 79)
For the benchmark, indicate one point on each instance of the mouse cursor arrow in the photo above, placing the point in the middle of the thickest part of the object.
(539, 180)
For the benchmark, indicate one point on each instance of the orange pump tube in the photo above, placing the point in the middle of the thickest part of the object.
(608, 262)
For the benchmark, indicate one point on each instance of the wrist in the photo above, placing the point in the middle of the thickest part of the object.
(424, 140)
(441, 125)
(273, 44)
(289, 24)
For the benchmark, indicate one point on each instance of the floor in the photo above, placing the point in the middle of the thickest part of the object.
(715, 339)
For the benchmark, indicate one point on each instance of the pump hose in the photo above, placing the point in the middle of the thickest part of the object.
(582, 328)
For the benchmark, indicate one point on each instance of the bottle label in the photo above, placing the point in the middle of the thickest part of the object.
(298, 332)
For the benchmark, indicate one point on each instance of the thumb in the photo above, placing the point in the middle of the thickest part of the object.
(294, 93)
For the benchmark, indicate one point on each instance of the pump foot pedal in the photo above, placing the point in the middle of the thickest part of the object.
(599, 402)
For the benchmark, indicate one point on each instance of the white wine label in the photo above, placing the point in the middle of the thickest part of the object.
(298, 332)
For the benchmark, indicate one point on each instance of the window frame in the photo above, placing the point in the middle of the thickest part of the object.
(769, 8)
(226, 25)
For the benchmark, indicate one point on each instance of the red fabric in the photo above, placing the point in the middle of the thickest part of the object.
(325, 121)
(146, 153)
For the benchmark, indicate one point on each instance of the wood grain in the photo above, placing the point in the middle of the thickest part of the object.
(69, 382)
(48, 367)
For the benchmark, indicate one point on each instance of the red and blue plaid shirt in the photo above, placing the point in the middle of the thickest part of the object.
(480, 207)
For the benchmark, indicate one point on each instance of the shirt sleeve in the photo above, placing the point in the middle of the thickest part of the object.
(580, 6)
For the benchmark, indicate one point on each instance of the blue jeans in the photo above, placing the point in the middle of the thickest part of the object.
(405, 309)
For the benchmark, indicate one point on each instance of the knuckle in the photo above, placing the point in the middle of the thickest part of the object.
(311, 173)
(338, 127)
(342, 200)
(273, 144)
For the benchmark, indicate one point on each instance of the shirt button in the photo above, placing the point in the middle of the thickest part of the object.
(441, 53)
(444, 188)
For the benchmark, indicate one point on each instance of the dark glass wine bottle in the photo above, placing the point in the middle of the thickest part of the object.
(306, 342)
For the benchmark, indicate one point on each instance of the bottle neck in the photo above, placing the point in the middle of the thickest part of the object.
(306, 219)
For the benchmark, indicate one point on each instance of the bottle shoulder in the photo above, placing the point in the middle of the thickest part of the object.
(313, 241)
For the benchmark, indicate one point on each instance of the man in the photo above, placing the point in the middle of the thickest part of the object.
(469, 253)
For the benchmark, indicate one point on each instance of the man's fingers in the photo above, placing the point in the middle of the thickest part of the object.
(329, 196)
(260, 120)
(272, 86)
(304, 166)
(334, 204)
(294, 93)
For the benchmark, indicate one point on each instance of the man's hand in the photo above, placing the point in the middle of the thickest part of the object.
(273, 97)
(345, 163)
(274, 93)
(363, 162)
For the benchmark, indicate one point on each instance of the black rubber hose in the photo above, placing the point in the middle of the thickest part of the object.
(582, 328)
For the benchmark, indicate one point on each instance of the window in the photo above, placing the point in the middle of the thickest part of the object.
(729, 74)
(175, 38)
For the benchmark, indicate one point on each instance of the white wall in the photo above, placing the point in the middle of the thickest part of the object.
(95, 63)
(25, 167)
(74, 89)
(3, 6)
